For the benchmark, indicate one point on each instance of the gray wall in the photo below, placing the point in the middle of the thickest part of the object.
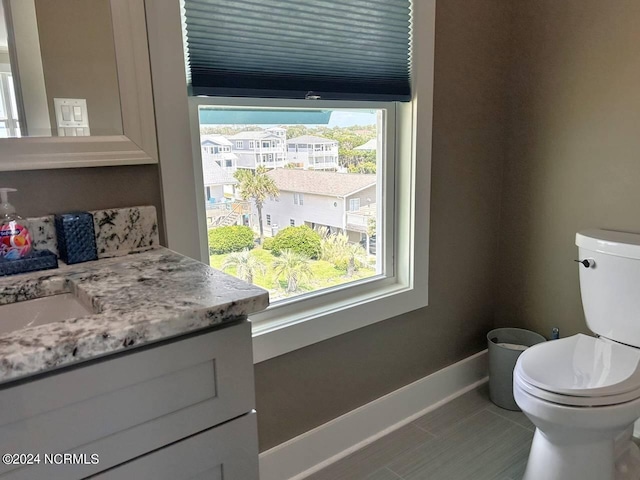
(308, 387)
(573, 160)
(41, 192)
(79, 59)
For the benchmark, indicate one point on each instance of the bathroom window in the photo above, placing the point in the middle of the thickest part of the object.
(292, 222)
(369, 271)
(399, 211)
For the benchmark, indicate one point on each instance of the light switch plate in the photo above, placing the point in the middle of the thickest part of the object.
(72, 117)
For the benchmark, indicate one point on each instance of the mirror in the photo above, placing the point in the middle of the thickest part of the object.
(58, 69)
(130, 137)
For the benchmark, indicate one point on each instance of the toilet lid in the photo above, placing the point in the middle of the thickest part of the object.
(581, 366)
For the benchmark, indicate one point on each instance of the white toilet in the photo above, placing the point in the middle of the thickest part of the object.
(583, 393)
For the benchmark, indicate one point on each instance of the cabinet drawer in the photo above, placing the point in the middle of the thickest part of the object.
(116, 408)
(227, 452)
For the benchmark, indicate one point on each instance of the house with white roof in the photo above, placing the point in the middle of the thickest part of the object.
(321, 198)
(260, 148)
(313, 153)
(217, 149)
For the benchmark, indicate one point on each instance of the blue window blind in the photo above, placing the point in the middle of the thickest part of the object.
(332, 49)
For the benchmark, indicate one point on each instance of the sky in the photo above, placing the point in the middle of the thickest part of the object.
(338, 118)
(347, 119)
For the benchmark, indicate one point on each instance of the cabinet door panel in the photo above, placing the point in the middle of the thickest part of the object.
(226, 452)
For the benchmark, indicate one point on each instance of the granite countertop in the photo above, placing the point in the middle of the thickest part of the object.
(138, 299)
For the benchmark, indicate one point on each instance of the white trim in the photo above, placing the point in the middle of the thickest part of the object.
(138, 143)
(70, 152)
(328, 443)
(181, 202)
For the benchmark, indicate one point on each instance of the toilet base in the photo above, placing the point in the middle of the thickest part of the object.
(583, 460)
(628, 458)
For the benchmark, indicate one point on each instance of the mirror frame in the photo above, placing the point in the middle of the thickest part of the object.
(138, 143)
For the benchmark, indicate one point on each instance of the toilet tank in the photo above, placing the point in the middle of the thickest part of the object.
(610, 287)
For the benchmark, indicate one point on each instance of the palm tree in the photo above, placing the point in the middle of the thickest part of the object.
(294, 267)
(247, 266)
(356, 258)
(257, 186)
(337, 250)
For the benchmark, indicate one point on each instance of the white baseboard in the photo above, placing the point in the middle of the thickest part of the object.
(313, 450)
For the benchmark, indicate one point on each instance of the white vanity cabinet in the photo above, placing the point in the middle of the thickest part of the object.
(177, 410)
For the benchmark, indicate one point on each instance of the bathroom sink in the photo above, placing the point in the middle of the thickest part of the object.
(19, 315)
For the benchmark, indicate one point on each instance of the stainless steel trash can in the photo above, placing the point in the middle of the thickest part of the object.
(505, 346)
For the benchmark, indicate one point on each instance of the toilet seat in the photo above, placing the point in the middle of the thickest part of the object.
(580, 371)
(575, 401)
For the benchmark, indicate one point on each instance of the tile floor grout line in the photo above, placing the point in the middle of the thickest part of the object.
(392, 472)
(423, 429)
(453, 425)
(488, 409)
(449, 427)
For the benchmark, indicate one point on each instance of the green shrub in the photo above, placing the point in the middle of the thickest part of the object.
(302, 240)
(267, 243)
(230, 239)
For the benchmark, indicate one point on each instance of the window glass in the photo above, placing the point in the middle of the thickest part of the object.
(329, 242)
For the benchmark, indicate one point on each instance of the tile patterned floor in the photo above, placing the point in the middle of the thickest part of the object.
(466, 439)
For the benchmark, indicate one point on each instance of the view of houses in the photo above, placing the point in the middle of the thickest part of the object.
(315, 182)
(315, 189)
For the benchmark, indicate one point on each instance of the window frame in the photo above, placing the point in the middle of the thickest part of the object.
(316, 316)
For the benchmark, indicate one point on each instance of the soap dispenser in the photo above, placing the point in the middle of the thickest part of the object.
(15, 241)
